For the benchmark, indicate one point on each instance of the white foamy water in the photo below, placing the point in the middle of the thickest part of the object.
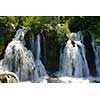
(41, 69)
(20, 60)
(72, 58)
(73, 65)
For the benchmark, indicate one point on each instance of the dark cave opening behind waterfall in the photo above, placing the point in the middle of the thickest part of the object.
(90, 55)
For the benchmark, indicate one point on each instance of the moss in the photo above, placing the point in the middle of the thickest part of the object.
(97, 41)
(4, 78)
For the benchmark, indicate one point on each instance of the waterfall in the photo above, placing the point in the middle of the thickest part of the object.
(73, 58)
(96, 49)
(79, 56)
(39, 64)
(38, 48)
(19, 59)
(25, 55)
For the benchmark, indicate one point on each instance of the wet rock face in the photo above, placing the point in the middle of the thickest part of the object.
(3, 80)
(90, 55)
(54, 80)
(28, 40)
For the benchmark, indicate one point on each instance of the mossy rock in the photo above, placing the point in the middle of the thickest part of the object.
(8, 77)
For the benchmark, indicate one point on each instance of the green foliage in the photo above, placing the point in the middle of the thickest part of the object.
(1, 40)
(97, 41)
(51, 26)
(79, 23)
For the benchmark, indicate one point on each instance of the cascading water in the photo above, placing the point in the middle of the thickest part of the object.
(97, 53)
(41, 69)
(72, 58)
(20, 60)
(80, 57)
(96, 49)
(77, 56)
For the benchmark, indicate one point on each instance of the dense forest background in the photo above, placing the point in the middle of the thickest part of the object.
(53, 28)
